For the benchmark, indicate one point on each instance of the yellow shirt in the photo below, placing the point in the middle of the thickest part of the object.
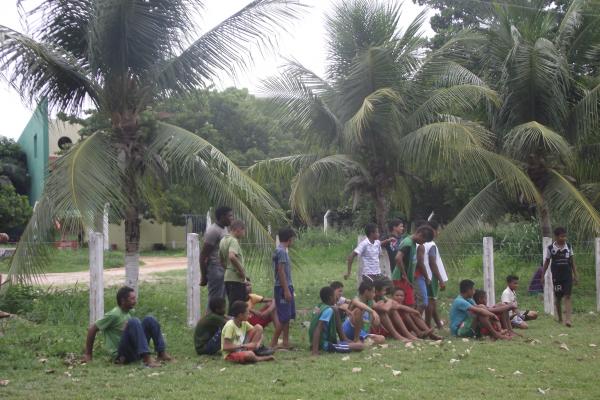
(235, 334)
(254, 299)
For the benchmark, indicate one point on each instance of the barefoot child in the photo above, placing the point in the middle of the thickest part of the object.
(325, 327)
(411, 317)
(362, 315)
(240, 341)
(467, 318)
(564, 273)
(501, 311)
(283, 293)
(392, 324)
(509, 296)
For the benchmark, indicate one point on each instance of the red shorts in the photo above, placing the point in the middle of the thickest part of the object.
(256, 320)
(379, 330)
(409, 294)
(240, 357)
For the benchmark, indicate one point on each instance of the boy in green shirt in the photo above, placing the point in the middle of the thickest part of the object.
(207, 335)
(125, 337)
(232, 258)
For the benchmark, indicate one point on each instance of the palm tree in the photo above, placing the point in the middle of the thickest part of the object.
(544, 65)
(124, 56)
(386, 112)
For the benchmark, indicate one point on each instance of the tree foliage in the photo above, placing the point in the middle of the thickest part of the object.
(13, 165)
(15, 210)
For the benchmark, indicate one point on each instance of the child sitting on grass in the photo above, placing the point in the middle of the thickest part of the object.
(325, 327)
(362, 315)
(500, 310)
(412, 318)
(392, 324)
(467, 318)
(509, 296)
(207, 335)
(263, 316)
(240, 341)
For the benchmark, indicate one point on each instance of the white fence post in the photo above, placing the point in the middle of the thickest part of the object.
(277, 242)
(597, 248)
(95, 244)
(548, 286)
(488, 270)
(193, 279)
(326, 221)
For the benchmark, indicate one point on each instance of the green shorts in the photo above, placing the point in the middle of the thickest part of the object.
(466, 329)
(433, 289)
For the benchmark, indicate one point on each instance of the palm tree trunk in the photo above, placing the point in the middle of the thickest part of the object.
(132, 246)
(546, 224)
(382, 209)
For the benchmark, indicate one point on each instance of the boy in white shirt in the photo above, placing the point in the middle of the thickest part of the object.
(369, 250)
(509, 295)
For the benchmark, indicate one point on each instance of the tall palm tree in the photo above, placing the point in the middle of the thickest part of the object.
(124, 56)
(386, 112)
(545, 65)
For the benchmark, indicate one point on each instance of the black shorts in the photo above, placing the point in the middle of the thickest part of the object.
(373, 278)
(562, 288)
(236, 291)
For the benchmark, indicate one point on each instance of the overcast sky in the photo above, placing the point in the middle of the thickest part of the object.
(303, 42)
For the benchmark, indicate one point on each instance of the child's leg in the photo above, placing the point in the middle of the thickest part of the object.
(558, 307)
(356, 346)
(285, 334)
(255, 335)
(484, 322)
(357, 323)
(400, 327)
(429, 312)
(277, 330)
(386, 322)
(436, 316)
(421, 325)
(568, 309)
(377, 339)
(410, 323)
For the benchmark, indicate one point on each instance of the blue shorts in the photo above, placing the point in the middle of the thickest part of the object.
(285, 310)
(340, 347)
(349, 331)
(214, 344)
(421, 295)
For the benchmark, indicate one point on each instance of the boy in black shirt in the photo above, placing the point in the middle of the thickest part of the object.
(564, 273)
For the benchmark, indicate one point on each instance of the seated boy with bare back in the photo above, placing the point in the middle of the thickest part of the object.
(412, 318)
(501, 310)
(392, 324)
(357, 326)
(325, 327)
(467, 318)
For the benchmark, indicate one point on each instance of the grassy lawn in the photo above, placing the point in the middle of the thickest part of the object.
(36, 349)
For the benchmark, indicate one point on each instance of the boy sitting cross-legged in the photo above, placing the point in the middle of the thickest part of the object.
(357, 325)
(500, 310)
(207, 335)
(517, 317)
(467, 318)
(240, 341)
(392, 324)
(325, 327)
(412, 318)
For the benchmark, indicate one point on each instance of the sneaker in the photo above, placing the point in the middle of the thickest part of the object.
(264, 351)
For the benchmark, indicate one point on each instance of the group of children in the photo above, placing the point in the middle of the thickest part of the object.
(403, 308)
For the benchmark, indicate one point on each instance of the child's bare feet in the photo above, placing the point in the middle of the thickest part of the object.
(568, 324)
(164, 356)
(433, 336)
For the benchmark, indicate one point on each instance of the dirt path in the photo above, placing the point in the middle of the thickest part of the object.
(115, 276)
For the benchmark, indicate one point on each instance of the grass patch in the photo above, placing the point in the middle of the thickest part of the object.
(52, 325)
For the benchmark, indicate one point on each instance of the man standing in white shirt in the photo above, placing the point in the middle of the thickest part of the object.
(369, 250)
(509, 296)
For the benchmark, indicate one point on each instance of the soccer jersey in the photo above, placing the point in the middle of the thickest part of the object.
(409, 253)
(560, 257)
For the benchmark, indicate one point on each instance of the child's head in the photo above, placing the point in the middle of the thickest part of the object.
(480, 297)
(560, 235)
(513, 282)
(217, 306)
(286, 236)
(396, 227)
(381, 286)
(423, 234)
(239, 310)
(397, 294)
(338, 289)
(327, 295)
(366, 290)
(372, 231)
(237, 229)
(467, 288)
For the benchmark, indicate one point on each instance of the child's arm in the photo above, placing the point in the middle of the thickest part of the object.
(360, 305)
(400, 262)
(403, 308)
(267, 312)
(483, 311)
(233, 257)
(350, 260)
(284, 283)
(574, 270)
(421, 262)
(546, 264)
(228, 345)
(316, 338)
(386, 241)
(383, 306)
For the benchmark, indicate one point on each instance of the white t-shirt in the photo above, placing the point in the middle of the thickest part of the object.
(369, 253)
(438, 260)
(508, 296)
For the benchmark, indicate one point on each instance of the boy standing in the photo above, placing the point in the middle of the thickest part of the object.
(467, 318)
(240, 341)
(232, 258)
(437, 274)
(285, 305)
(509, 296)
(369, 250)
(396, 229)
(324, 327)
(411, 270)
(207, 335)
(564, 273)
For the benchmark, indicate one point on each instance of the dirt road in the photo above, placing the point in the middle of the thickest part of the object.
(115, 276)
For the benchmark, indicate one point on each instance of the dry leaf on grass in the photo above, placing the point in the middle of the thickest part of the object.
(454, 361)
(517, 372)
(4, 382)
(593, 345)
(356, 369)
(222, 369)
(345, 358)
(564, 347)
(396, 373)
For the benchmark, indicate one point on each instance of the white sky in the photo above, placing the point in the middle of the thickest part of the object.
(304, 41)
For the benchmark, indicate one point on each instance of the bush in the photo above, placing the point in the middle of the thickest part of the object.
(19, 299)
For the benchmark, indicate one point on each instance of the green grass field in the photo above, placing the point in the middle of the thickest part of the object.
(36, 349)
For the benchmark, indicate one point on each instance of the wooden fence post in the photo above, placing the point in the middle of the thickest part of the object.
(488, 270)
(96, 248)
(548, 286)
(597, 252)
(193, 279)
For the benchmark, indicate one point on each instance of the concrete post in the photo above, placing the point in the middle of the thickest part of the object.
(193, 279)
(488, 270)
(548, 286)
(96, 249)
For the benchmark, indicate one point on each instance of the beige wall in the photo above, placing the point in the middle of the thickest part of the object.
(58, 129)
(151, 232)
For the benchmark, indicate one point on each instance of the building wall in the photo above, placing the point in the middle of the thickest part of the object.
(34, 142)
(58, 129)
(151, 232)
